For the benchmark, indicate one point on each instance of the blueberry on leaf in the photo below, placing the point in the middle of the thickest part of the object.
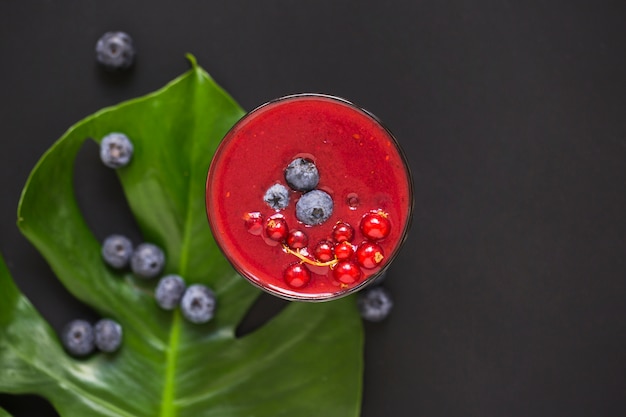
(116, 251)
(314, 207)
(277, 197)
(374, 304)
(108, 335)
(169, 291)
(198, 304)
(78, 338)
(147, 261)
(302, 175)
(116, 150)
(115, 51)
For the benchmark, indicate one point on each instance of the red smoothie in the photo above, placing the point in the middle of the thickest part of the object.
(353, 216)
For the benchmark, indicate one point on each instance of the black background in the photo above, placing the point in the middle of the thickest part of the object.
(511, 290)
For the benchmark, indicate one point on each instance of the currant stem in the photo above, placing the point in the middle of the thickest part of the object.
(304, 259)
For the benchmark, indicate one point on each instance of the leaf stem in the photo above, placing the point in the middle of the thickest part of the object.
(167, 403)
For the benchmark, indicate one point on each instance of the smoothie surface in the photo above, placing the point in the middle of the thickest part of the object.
(360, 166)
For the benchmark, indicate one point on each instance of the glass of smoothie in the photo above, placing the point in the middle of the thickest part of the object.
(309, 197)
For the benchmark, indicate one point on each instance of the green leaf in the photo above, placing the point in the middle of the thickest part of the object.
(306, 361)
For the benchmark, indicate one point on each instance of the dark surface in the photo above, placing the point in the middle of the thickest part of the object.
(511, 290)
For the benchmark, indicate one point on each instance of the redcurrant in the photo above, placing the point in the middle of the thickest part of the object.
(347, 272)
(253, 222)
(344, 250)
(369, 255)
(323, 251)
(297, 239)
(297, 275)
(276, 228)
(343, 232)
(375, 225)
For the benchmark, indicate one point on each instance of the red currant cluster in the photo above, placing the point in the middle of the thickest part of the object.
(344, 258)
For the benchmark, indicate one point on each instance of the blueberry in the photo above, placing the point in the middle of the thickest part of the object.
(78, 338)
(198, 304)
(374, 304)
(116, 251)
(314, 207)
(302, 175)
(147, 260)
(116, 150)
(277, 197)
(169, 291)
(108, 335)
(115, 51)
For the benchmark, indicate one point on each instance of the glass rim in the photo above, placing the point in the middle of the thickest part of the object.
(294, 295)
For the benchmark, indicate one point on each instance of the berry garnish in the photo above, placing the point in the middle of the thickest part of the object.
(108, 334)
(276, 228)
(198, 304)
(115, 51)
(302, 174)
(297, 275)
(297, 239)
(343, 232)
(277, 197)
(169, 291)
(374, 304)
(375, 225)
(347, 272)
(323, 251)
(344, 250)
(369, 255)
(116, 150)
(314, 207)
(253, 222)
(147, 260)
(116, 251)
(78, 338)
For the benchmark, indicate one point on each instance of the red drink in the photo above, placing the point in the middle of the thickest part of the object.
(309, 250)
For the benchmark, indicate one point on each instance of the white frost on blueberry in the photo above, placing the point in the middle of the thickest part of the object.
(302, 174)
(108, 335)
(198, 304)
(116, 251)
(375, 304)
(169, 291)
(116, 150)
(147, 260)
(314, 207)
(277, 197)
(78, 338)
(115, 51)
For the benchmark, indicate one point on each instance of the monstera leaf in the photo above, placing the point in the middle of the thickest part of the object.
(306, 361)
